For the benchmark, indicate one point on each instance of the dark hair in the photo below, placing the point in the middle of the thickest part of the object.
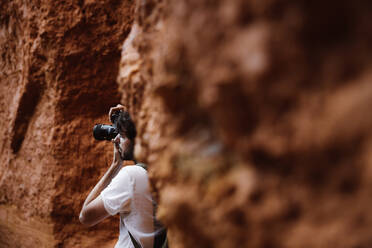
(125, 123)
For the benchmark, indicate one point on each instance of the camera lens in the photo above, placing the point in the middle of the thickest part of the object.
(104, 132)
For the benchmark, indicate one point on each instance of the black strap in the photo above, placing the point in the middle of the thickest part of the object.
(141, 165)
(135, 243)
(160, 240)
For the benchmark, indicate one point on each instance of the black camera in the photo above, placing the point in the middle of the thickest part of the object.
(107, 132)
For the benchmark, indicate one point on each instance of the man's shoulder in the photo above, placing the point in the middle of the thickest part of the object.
(139, 176)
(142, 165)
(135, 170)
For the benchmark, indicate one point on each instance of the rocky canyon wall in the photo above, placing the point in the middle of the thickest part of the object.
(59, 63)
(252, 116)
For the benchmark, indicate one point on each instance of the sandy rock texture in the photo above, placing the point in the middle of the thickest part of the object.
(58, 67)
(254, 119)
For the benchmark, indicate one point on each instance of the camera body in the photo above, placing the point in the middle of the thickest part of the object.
(107, 132)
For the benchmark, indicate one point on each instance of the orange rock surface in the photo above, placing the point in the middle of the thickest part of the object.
(59, 63)
(253, 117)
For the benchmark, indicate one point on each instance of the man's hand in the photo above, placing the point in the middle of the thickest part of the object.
(117, 150)
(118, 107)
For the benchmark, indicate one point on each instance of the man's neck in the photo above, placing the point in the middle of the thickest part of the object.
(128, 162)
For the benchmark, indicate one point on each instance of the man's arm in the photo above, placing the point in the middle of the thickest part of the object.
(93, 210)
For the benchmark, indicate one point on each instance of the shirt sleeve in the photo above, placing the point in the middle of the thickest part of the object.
(117, 195)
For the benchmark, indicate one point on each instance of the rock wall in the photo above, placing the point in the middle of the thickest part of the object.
(253, 117)
(59, 62)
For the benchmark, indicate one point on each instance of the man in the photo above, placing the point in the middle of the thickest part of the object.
(124, 190)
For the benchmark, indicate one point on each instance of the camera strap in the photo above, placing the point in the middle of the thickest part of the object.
(160, 239)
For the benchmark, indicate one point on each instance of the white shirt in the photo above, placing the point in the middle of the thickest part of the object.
(128, 194)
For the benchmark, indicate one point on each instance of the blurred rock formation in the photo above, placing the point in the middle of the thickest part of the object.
(253, 117)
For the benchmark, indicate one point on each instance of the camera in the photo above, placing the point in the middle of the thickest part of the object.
(107, 132)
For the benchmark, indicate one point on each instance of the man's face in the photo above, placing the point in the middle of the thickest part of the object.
(120, 143)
